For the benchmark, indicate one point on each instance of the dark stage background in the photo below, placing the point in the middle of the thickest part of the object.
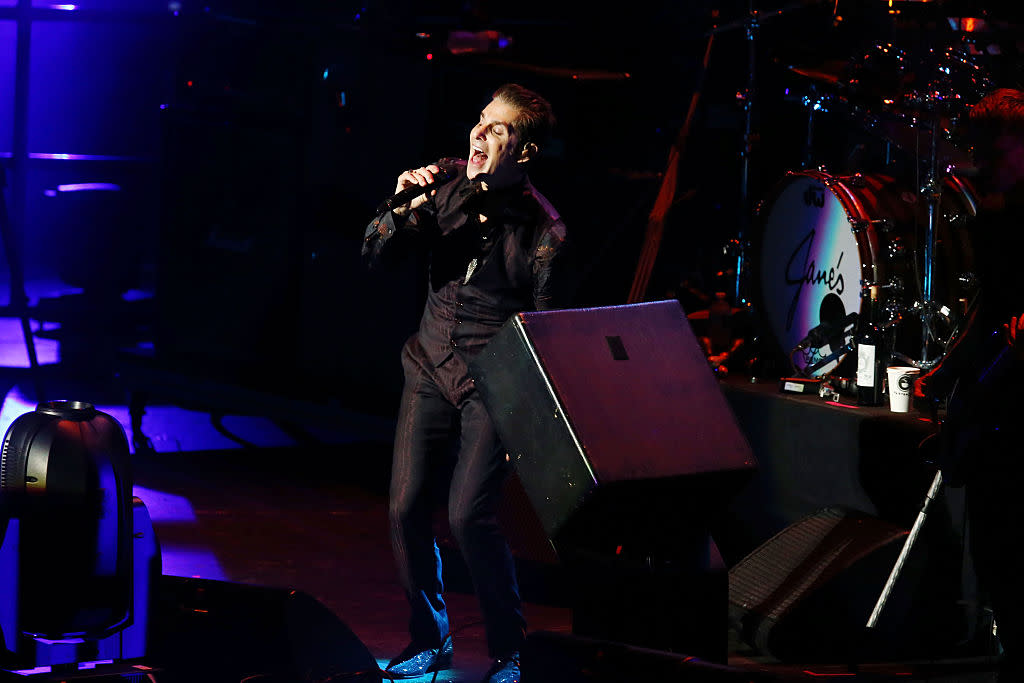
(245, 145)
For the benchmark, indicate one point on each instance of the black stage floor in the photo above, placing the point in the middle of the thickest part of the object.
(314, 519)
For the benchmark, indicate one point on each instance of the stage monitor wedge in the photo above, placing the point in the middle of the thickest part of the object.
(209, 631)
(613, 420)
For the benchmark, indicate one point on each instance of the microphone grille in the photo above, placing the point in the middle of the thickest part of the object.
(450, 166)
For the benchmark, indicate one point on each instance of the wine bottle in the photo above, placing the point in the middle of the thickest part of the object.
(871, 358)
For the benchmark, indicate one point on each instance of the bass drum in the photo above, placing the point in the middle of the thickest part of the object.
(823, 236)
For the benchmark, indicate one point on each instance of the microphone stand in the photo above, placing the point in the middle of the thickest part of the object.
(908, 544)
(846, 348)
(897, 569)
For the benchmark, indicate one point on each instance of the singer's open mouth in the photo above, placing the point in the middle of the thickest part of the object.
(479, 156)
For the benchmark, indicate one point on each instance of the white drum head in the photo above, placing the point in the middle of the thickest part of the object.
(810, 267)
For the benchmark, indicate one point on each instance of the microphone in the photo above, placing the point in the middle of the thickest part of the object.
(819, 335)
(449, 171)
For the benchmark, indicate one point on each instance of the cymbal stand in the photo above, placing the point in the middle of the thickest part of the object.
(931, 188)
(747, 98)
(815, 103)
(739, 246)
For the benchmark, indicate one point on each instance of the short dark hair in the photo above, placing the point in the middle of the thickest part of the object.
(534, 117)
(999, 112)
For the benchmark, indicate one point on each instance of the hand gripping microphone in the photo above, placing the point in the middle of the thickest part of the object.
(449, 171)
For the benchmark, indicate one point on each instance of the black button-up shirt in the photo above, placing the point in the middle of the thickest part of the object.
(481, 271)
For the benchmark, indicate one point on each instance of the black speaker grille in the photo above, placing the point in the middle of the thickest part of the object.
(798, 559)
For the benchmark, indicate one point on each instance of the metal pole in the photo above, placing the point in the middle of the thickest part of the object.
(748, 130)
(907, 545)
(14, 217)
(19, 158)
(933, 192)
(933, 189)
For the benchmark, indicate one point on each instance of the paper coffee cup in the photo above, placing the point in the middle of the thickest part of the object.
(901, 386)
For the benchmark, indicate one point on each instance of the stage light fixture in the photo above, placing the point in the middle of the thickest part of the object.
(77, 552)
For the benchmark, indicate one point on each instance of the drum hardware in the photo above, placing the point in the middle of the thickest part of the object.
(969, 281)
(957, 218)
(860, 224)
(831, 73)
(924, 108)
(815, 104)
(855, 180)
(939, 310)
(931, 312)
(828, 180)
(824, 237)
(893, 95)
(735, 247)
(892, 313)
(747, 98)
(896, 248)
(906, 132)
(894, 284)
(912, 101)
(952, 78)
(932, 192)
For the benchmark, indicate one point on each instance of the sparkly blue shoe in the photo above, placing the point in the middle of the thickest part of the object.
(504, 670)
(418, 661)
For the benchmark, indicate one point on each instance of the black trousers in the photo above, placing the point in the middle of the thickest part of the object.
(431, 431)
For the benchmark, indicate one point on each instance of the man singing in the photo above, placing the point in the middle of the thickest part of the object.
(496, 247)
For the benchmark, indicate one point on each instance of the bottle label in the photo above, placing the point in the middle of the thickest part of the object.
(865, 365)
